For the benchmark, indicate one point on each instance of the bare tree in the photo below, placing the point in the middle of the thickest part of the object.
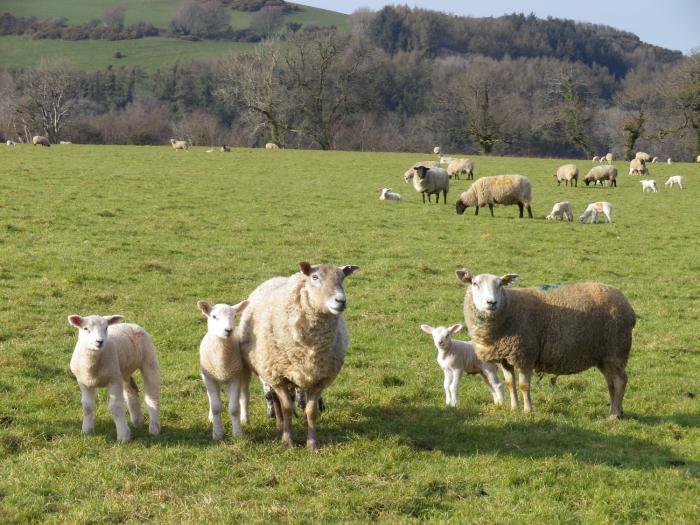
(570, 111)
(208, 18)
(267, 21)
(113, 15)
(686, 96)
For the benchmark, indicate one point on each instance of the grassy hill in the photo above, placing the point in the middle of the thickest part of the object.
(147, 231)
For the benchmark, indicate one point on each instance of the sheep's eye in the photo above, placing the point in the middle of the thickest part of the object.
(314, 277)
(86, 329)
(215, 318)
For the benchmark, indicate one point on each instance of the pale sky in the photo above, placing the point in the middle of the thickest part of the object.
(674, 24)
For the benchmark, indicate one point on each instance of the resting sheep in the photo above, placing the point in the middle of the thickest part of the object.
(568, 173)
(65, 143)
(292, 334)
(179, 144)
(431, 181)
(271, 145)
(458, 166)
(643, 156)
(106, 355)
(601, 174)
(458, 357)
(676, 179)
(40, 140)
(649, 184)
(638, 167)
(566, 330)
(561, 210)
(594, 209)
(385, 194)
(501, 189)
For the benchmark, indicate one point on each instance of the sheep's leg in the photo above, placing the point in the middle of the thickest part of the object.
(277, 409)
(510, 382)
(616, 378)
(447, 381)
(491, 378)
(151, 391)
(524, 381)
(529, 211)
(444, 195)
(131, 393)
(87, 399)
(491, 208)
(234, 409)
(214, 395)
(312, 398)
(454, 387)
(244, 395)
(608, 218)
(287, 405)
(423, 194)
(116, 407)
(520, 209)
(477, 210)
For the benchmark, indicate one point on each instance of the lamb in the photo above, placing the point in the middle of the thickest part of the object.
(40, 140)
(561, 210)
(292, 334)
(668, 160)
(649, 184)
(458, 357)
(431, 181)
(436, 150)
(458, 166)
(446, 160)
(655, 160)
(609, 158)
(566, 330)
(568, 173)
(643, 156)
(11, 143)
(594, 209)
(697, 159)
(271, 145)
(385, 194)
(601, 174)
(638, 167)
(179, 144)
(501, 189)
(595, 159)
(106, 355)
(65, 143)
(676, 179)
(220, 363)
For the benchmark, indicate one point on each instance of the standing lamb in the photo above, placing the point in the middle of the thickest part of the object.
(271, 145)
(179, 144)
(676, 179)
(458, 357)
(649, 184)
(11, 143)
(106, 355)
(601, 174)
(643, 156)
(501, 189)
(609, 158)
(594, 209)
(566, 330)
(561, 210)
(292, 334)
(40, 140)
(431, 181)
(458, 166)
(638, 167)
(385, 194)
(568, 173)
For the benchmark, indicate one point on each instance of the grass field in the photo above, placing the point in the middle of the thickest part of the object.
(146, 232)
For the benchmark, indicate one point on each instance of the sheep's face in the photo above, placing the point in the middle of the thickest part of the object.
(324, 286)
(221, 318)
(442, 335)
(487, 290)
(421, 171)
(92, 330)
(408, 176)
(460, 207)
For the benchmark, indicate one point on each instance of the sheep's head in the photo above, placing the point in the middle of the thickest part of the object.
(442, 335)
(324, 286)
(92, 330)
(460, 206)
(221, 318)
(421, 171)
(487, 290)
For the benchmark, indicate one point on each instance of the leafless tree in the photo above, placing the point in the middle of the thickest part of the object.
(208, 18)
(267, 21)
(113, 15)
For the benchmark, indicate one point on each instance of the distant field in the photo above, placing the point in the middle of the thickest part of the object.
(147, 231)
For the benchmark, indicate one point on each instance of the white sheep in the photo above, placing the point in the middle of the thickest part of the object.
(697, 159)
(11, 142)
(638, 167)
(220, 363)
(446, 160)
(668, 160)
(594, 209)
(107, 353)
(643, 156)
(385, 194)
(676, 179)
(601, 174)
(436, 150)
(649, 184)
(501, 189)
(40, 140)
(179, 144)
(568, 173)
(431, 181)
(609, 158)
(458, 166)
(561, 210)
(458, 357)
(271, 145)
(655, 160)
(595, 159)
(65, 142)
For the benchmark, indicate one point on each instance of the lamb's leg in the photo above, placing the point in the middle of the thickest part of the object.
(510, 381)
(234, 409)
(608, 218)
(214, 395)
(524, 380)
(490, 376)
(447, 381)
(87, 399)
(454, 386)
(287, 405)
(151, 391)
(131, 393)
(312, 397)
(244, 395)
(116, 407)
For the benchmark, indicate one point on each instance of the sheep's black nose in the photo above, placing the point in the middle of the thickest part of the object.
(491, 303)
(99, 343)
(228, 331)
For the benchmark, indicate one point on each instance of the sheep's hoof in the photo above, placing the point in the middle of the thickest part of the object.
(287, 442)
(312, 446)
(614, 417)
(124, 439)
(154, 429)
(217, 436)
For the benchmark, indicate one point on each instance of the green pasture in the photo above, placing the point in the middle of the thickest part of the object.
(147, 231)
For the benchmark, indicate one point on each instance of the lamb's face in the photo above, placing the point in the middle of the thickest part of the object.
(442, 335)
(487, 290)
(324, 286)
(92, 330)
(221, 318)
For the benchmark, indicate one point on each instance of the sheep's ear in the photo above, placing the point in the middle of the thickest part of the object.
(349, 269)
(204, 307)
(427, 328)
(509, 279)
(455, 328)
(305, 268)
(464, 276)
(75, 320)
(238, 308)
(113, 319)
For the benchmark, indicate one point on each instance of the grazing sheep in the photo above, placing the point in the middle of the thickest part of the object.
(446, 160)
(225, 149)
(668, 160)
(459, 166)
(594, 209)
(271, 145)
(385, 194)
(501, 189)
(179, 144)
(595, 159)
(458, 357)
(292, 334)
(106, 355)
(609, 158)
(39, 140)
(431, 181)
(643, 156)
(220, 363)
(436, 150)
(638, 167)
(65, 142)
(655, 160)
(568, 173)
(676, 179)
(566, 330)
(11, 143)
(561, 210)
(601, 174)
(649, 184)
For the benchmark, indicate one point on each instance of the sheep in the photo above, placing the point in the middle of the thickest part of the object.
(676, 179)
(697, 159)
(458, 357)
(668, 160)
(568, 173)
(385, 194)
(595, 159)
(210, 150)
(638, 167)
(643, 156)
(655, 160)
(106, 355)
(292, 334)
(40, 140)
(220, 363)
(179, 144)
(501, 189)
(431, 181)
(446, 160)
(458, 166)
(593, 209)
(436, 150)
(271, 145)
(601, 174)
(408, 175)
(225, 149)
(11, 143)
(649, 184)
(609, 158)
(561, 210)
(65, 143)
(565, 330)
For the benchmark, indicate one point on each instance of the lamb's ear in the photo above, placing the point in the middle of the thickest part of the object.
(509, 279)
(464, 276)
(427, 328)
(349, 269)
(455, 328)
(75, 320)
(113, 319)
(238, 308)
(305, 268)
(204, 307)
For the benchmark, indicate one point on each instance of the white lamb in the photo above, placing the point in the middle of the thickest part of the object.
(594, 209)
(676, 179)
(458, 357)
(561, 210)
(595, 159)
(436, 150)
(11, 143)
(649, 184)
(385, 194)
(668, 160)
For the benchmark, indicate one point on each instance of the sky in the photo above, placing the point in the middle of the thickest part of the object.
(674, 24)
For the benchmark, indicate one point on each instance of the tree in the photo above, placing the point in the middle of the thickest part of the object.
(113, 15)
(204, 19)
(267, 21)
(571, 112)
(686, 96)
